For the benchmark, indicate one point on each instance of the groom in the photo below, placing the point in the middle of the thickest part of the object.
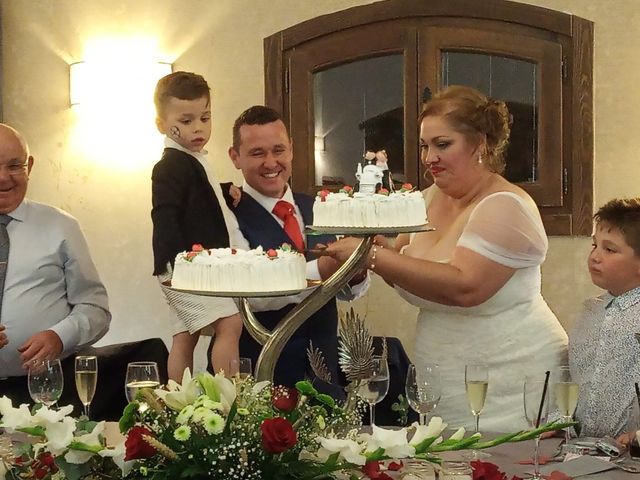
(270, 214)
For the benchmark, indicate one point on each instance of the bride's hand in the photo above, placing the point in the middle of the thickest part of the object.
(342, 249)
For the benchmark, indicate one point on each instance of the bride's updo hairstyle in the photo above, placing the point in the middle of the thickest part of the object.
(472, 114)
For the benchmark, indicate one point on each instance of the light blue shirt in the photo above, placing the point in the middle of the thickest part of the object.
(51, 284)
(604, 357)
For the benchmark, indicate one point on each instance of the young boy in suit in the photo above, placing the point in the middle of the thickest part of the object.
(188, 208)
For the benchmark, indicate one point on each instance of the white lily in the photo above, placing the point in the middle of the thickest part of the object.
(422, 432)
(177, 396)
(219, 389)
(259, 386)
(92, 439)
(118, 454)
(60, 435)
(46, 416)
(458, 434)
(394, 442)
(350, 450)
(13, 418)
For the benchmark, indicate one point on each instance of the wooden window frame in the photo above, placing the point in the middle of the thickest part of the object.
(574, 34)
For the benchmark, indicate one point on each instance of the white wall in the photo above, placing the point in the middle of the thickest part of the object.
(96, 177)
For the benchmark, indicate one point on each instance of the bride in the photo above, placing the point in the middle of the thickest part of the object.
(476, 278)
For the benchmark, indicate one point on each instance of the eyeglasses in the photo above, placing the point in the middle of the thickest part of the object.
(15, 169)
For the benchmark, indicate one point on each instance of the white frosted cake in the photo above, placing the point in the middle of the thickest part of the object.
(404, 208)
(231, 270)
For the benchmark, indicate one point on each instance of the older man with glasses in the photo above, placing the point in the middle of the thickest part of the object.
(52, 301)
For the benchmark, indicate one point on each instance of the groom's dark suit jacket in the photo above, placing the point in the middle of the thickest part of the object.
(260, 228)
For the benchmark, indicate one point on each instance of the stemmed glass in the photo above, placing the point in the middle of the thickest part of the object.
(375, 388)
(45, 381)
(141, 375)
(240, 368)
(86, 379)
(533, 391)
(423, 388)
(566, 396)
(476, 381)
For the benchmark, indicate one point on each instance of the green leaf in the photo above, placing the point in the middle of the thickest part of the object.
(72, 471)
(85, 425)
(230, 417)
(305, 388)
(326, 400)
(85, 447)
(128, 419)
(36, 431)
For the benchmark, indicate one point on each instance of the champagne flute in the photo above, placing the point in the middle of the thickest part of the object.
(423, 389)
(476, 381)
(533, 391)
(141, 375)
(375, 388)
(86, 379)
(566, 396)
(45, 381)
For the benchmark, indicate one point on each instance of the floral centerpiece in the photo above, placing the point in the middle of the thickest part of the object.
(217, 428)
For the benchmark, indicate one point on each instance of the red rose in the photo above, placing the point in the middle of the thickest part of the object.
(47, 459)
(395, 466)
(271, 253)
(372, 470)
(407, 186)
(135, 446)
(323, 195)
(196, 247)
(347, 188)
(40, 473)
(277, 435)
(284, 399)
(383, 191)
(486, 471)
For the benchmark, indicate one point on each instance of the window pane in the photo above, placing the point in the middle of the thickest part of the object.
(358, 106)
(514, 82)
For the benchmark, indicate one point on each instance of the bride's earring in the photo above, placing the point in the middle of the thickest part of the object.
(480, 158)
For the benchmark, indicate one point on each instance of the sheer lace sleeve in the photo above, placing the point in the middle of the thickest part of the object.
(504, 228)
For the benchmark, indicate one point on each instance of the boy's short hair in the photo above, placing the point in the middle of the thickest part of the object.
(623, 214)
(181, 85)
(256, 115)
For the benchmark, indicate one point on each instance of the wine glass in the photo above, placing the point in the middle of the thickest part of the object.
(566, 396)
(423, 388)
(534, 388)
(45, 381)
(476, 381)
(240, 368)
(375, 388)
(141, 375)
(86, 379)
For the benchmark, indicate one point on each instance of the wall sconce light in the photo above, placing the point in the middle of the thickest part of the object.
(111, 83)
(319, 144)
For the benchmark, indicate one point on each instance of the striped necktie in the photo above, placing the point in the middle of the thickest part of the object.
(4, 254)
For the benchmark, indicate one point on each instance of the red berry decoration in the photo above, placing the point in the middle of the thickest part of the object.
(271, 253)
(383, 191)
(407, 186)
(196, 247)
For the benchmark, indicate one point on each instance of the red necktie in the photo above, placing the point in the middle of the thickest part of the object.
(285, 212)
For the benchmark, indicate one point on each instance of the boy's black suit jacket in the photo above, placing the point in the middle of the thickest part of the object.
(185, 209)
(260, 228)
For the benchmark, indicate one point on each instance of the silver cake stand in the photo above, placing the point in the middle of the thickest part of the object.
(275, 340)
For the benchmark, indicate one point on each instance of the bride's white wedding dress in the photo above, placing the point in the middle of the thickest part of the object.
(514, 332)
